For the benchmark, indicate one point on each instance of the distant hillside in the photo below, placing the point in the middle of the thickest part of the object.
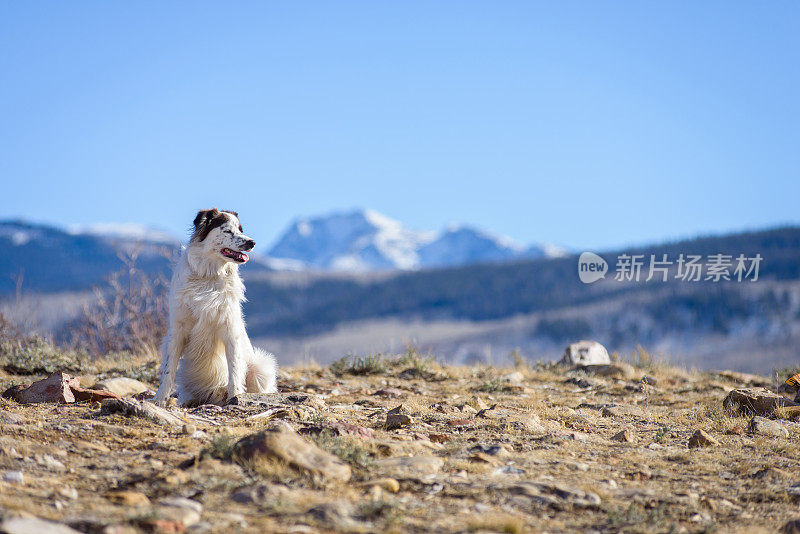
(485, 292)
(49, 259)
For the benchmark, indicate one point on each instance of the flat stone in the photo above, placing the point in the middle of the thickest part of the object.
(611, 370)
(27, 525)
(122, 386)
(616, 410)
(755, 401)
(281, 443)
(182, 502)
(92, 395)
(144, 409)
(767, 427)
(409, 466)
(339, 428)
(555, 495)
(702, 439)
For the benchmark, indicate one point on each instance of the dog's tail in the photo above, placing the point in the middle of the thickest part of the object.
(262, 373)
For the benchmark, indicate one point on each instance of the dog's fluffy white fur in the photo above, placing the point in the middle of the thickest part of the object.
(206, 327)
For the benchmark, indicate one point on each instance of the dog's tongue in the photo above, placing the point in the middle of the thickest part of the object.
(244, 257)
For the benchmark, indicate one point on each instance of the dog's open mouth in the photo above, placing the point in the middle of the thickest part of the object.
(235, 255)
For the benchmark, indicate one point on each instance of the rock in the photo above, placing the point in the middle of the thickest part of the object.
(27, 525)
(54, 388)
(616, 410)
(439, 438)
(122, 386)
(188, 429)
(534, 424)
(262, 494)
(281, 443)
(490, 450)
(91, 395)
(626, 436)
(702, 439)
(67, 492)
(137, 408)
(182, 502)
(390, 392)
(754, 401)
(791, 527)
(514, 378)
(162, 526)
(397, 420)
(387, 484)
(612, 370)
(14, 477)
(460, 422)
(555, 495)
(339, 428)
(409, 466)
(128, 498)
(585, 353)
(766, 427)
(583, 383)
(337, 513)
(182, 515)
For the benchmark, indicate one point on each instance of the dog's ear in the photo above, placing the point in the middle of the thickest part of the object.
(202, 223)
(205, 216)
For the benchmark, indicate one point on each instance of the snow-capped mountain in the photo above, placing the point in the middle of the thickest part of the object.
(364, 240)
(360, 240)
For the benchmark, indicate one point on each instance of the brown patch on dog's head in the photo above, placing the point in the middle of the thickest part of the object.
(207, 220)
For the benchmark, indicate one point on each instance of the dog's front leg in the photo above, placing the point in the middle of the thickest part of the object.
(171, 351)
(237, 364)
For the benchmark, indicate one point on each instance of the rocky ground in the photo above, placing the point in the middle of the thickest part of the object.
(401, 444)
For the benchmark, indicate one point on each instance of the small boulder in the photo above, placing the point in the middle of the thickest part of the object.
(585, 353)
(397, 420)
(702, 438)
(626, 436)
(283, 444)
(144, 409)
(122, 386)
(767, 427)
(54, 388)
(754, 401)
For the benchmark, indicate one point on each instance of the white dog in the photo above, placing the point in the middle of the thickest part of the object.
(206, 328)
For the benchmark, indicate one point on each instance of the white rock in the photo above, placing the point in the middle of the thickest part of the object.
(585, 353)
(122, 386)
(14, 477)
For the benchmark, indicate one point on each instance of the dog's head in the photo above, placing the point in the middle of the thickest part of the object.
(219, 233)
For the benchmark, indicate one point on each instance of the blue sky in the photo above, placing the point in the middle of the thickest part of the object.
(587, 124)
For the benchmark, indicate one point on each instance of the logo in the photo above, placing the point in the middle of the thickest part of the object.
(591, 267)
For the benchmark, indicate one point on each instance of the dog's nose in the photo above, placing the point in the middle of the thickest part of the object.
(249, 244)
